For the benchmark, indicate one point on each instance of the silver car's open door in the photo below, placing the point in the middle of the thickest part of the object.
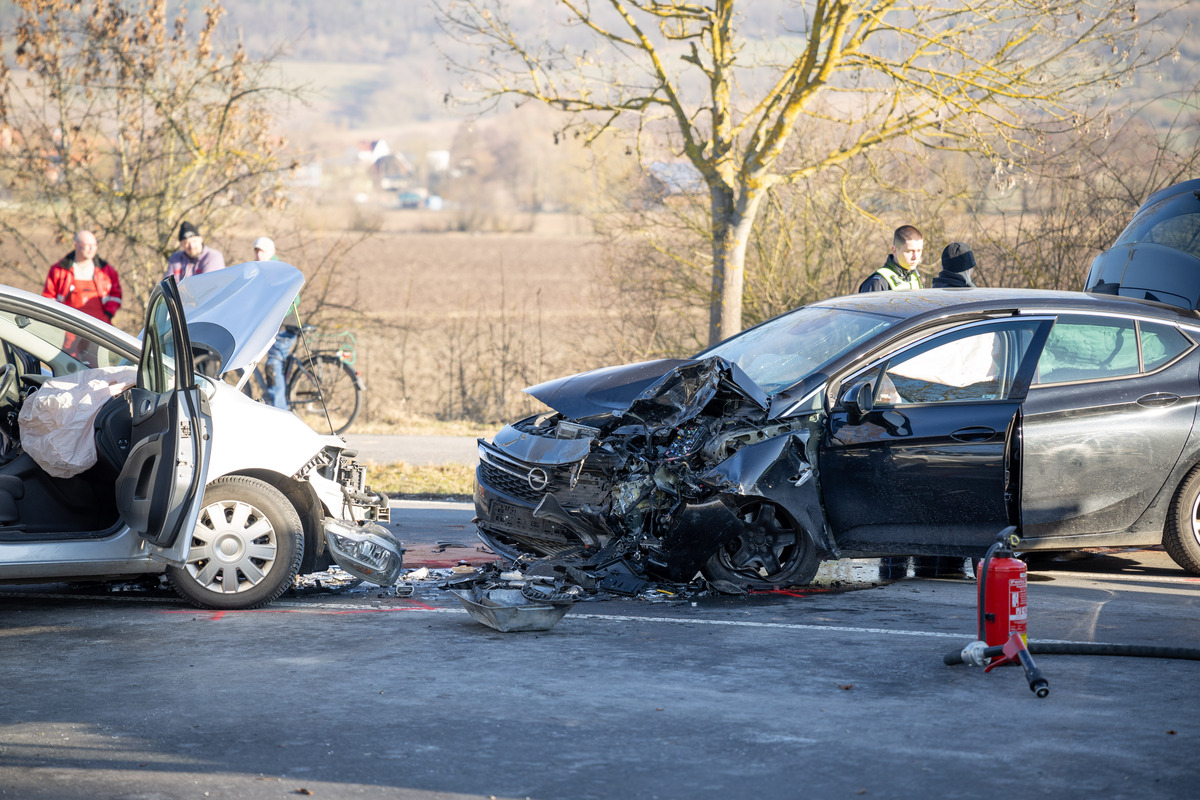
(162, 483)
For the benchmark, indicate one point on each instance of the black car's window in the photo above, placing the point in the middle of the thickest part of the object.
(978, 363)
(1161, 344)
(1172, 222)
(1087, 348)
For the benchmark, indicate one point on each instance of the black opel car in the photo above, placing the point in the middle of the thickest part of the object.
(890, 423)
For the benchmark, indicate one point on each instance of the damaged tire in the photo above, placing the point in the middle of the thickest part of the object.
(771, 551)
(246, 547)
(1181, 535)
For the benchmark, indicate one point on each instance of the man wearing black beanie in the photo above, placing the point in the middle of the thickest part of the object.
(957, 263)
(193, 257)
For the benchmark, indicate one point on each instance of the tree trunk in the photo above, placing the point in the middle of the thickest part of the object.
(731, 234)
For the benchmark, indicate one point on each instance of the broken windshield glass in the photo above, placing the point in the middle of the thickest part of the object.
(783, 351)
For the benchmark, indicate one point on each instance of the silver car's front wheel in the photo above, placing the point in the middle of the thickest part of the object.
(246, 548)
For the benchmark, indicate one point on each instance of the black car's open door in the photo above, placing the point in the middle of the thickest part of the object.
(917, 454)
(162, 482)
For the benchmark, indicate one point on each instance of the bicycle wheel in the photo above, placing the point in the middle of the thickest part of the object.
(326, 384)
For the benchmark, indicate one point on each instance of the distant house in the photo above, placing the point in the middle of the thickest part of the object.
(370, 152)
(392, 172)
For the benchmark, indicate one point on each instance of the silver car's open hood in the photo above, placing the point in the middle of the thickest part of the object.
(237, 310)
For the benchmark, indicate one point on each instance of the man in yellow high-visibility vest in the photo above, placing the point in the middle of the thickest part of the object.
(900, 270)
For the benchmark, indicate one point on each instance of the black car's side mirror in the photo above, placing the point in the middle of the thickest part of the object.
(860, 400)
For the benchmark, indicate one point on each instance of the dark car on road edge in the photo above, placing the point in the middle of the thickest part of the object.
(893, 423)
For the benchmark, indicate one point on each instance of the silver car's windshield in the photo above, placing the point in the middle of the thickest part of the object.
(785, 350)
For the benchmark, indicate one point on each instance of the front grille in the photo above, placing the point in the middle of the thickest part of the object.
(571, 486)
(520, 525)
(507, 483)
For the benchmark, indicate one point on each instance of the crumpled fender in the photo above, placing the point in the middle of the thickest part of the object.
(777, 470)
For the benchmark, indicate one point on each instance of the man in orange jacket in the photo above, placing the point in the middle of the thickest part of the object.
(85, 281)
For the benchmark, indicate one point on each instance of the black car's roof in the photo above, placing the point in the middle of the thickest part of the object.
(907, 305)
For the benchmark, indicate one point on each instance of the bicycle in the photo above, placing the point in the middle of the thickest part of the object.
(322, 384)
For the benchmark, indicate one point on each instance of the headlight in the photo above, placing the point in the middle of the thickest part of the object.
(369, 552)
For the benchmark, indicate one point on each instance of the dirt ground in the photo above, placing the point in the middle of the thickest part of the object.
(454, 325)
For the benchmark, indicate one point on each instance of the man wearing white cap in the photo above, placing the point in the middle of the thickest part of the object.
(271, 377)
(264, 249)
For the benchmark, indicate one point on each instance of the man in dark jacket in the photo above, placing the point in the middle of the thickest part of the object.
(899, 272)
(193, 257)
(957, 263)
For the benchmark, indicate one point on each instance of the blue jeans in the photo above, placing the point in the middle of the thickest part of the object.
(270, 376)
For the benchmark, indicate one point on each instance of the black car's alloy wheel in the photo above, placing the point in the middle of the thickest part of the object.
(772, 550)
(1181, 535)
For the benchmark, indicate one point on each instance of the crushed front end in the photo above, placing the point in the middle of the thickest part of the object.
(688, 474)
(354, 536)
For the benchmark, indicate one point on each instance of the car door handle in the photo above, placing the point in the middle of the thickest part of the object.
(975, 434)
(1158, 400)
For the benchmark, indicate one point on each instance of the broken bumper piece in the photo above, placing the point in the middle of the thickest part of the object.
(508, 610)
(368, 551)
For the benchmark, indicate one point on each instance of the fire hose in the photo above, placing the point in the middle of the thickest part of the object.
(1002, 624)
(1082, 649)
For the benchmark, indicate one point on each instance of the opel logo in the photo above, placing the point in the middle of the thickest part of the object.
(538, 479)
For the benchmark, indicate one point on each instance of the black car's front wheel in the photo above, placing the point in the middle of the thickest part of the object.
(1181, 535)
(771, 550)
(246, 547)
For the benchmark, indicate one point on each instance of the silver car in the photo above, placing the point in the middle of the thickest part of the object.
(230, 498)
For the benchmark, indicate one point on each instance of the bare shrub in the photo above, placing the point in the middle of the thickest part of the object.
(1041, 227)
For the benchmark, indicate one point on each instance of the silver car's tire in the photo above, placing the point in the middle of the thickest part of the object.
(246, 547)
(1181, 534)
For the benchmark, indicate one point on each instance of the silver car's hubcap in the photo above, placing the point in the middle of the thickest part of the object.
(233, 547)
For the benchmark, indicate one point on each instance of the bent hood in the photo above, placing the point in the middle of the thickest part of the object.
(609, 390)
(237, 311)
(663, 392)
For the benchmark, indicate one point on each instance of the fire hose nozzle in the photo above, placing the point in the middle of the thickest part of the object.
(973, 654)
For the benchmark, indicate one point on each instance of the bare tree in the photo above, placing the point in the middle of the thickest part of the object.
(116, 119)
(973, 75)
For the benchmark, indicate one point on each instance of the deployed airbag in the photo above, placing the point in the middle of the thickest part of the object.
(56, 420)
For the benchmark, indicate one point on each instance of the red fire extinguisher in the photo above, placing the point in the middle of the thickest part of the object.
(1002, 618)
(1002, 593)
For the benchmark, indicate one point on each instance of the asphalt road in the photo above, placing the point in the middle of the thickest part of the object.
(837, 691)
(416, 450)
(437, 534)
